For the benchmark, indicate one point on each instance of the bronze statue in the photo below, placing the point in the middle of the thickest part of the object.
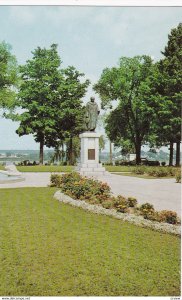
(91, 116)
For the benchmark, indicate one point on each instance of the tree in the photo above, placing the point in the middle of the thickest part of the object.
(131, 85)
(50, 98)
(8, 77)
(70, 119)
(169, 86)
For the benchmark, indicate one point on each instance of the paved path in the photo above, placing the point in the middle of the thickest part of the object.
(162, 193)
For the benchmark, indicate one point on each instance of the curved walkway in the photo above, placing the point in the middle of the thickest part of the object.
(162, 193)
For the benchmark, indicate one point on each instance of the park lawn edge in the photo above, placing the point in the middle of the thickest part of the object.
(139, 221)
(130, 174)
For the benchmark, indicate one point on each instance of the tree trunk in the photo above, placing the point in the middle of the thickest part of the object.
(171, 154)
(71, 158)
(138, 152)
(41, 156)
(110, 153)
(178, 154)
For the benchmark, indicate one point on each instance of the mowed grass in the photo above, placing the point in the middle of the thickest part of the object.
(68, 168)
(64, 169)
(52, 249)
(144, 176)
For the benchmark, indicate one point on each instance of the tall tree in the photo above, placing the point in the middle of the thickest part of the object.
(131, 85)
(8, 77)
(49, 97)
(69, 120)
(169, 87)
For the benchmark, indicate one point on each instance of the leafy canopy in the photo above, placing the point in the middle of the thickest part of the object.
(8, 77)
(131, 85)
(50, 97)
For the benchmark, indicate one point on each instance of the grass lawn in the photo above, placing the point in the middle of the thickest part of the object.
(52, 249)
(2, 167)
(145, 176)
(67, 168)
(45, 168)
(118, 168)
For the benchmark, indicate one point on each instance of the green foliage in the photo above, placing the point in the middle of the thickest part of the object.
(140, 170)
(146, 210)
(96, 192)
(55, 180)
(155, 171)
(178, 176)
(132, 202)
(131, 83)
(121, 204)
(72, 149)
(168, 85)
(8, 77)
(108, 204)
(50, 98)
(168, 216)
(82, 188)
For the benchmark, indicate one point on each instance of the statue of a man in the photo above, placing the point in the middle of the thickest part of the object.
(91, 116)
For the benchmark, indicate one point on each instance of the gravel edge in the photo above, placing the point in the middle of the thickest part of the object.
(137, 220)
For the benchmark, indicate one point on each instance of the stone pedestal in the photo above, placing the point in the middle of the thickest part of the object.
(89, 164)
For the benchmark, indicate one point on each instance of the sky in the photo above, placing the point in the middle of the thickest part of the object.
(89, 38)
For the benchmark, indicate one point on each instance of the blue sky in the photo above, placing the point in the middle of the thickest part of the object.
(89, 38)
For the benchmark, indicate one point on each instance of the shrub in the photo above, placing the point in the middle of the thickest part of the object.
(163, 163)
(139, 170)
(108, 203)
(81, 187)
(55, 180)
(147, 210)
(132, 202)
(168, 216)
(161, 172)
(178, 176)
(121, 204)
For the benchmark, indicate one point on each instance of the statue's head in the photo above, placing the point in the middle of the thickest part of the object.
(92, 99)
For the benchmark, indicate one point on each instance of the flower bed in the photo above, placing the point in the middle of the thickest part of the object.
(99, 193)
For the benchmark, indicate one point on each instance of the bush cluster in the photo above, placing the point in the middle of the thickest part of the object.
(96, 192)
(155, 171)
(148, 212)
(178, 176)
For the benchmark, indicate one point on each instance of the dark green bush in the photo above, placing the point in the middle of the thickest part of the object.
(56, 180)
(168, 216)
(121, 204)
(139, 170)
(81, 187)
(178, 176)
(108, 203)
(132, 202)
(146, 210)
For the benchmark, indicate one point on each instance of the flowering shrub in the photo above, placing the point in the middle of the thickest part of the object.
(167, 216)
(55, 180)
(108, 203)
(146, 210)
(121, 204)
(80, 187)
(132, 202)
(96, 192)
